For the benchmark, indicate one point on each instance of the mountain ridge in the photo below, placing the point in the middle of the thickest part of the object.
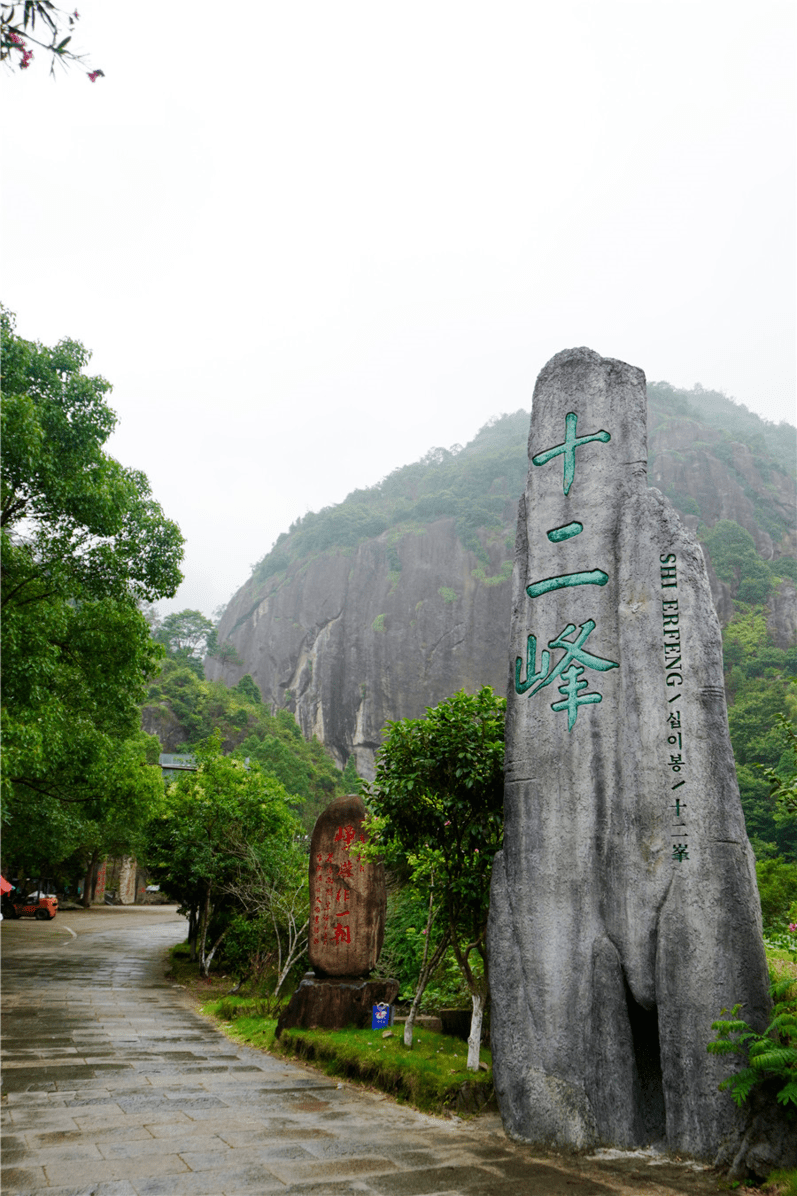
(386, 603)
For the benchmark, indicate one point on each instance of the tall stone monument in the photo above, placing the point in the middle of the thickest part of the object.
(347, 926)
(624, 908)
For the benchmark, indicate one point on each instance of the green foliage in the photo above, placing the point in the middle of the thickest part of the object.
(684, 502)
(447, 594)
(251, 953)
(777, 886)
(783, 779)
(90, 525)
(497, 580)
(221, 824)
(83, 543)
(735, 560)
(189, 636)
(762, 750)
(772, 447)
(771, 1057)
(184, 633)
(248, 690)
(439, 779)
(761, 718)
(438, 799)
(476, 485)
(784, 566)
(208, 814)
(734, 420)
(784, 1182)
(403, 947)
(248, 729)
(352, 782)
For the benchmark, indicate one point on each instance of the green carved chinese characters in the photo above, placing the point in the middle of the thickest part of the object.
(570, 667)
(568, 449)
(575, 660)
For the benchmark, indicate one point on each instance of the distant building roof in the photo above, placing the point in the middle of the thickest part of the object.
(171, 764)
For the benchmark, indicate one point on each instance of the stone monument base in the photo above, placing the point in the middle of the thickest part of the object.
(333, 1002)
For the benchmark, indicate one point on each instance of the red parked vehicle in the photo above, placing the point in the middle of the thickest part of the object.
(42, 904)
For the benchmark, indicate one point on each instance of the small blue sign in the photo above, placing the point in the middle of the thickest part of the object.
(381, 1016)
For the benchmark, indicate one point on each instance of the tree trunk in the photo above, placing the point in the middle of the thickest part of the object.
(192, 932)
(87, 886)
(428, 969)
(475, 1036)
(293, 951)
(204, 922)
(207, 960)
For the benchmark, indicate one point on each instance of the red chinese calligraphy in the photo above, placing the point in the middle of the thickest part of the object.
(346, 834)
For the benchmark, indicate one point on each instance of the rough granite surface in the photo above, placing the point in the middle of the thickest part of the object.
(624, 912)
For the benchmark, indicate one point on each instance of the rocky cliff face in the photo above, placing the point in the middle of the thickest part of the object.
(350, 637)
(346, 642)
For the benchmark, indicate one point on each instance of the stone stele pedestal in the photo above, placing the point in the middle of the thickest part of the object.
(347, 926)
(624, 909)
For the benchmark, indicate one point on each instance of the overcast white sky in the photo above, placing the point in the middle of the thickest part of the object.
(308, 241)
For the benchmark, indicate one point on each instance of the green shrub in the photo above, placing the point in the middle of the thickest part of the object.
(770, 1057)
(777, 885)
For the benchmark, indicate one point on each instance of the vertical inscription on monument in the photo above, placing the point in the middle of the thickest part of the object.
(347, 894)
(674, 679)
(575, 659)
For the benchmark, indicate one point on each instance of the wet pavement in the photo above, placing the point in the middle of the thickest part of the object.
(114, 1086)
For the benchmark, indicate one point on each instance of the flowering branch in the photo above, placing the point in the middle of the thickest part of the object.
(17, 25)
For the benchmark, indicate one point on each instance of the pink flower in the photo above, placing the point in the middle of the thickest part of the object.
(94, 75)
(76, 15)
(792, 925)
(27, 55)
(447, 823)
(475, 851)
(424, 932)
(15, 39)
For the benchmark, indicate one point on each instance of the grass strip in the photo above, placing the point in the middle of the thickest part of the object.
(432, 1076)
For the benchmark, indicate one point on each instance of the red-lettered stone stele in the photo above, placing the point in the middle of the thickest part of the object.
(347, 894)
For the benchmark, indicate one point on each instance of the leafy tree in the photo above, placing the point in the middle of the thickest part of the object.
(75, 521)
(247, 688)
(777, 885)
(222, 822)
(18, 27)
(181, 703)
(783, 779)
(438, 799)
(764, 756)
(184, 633)
(735, 560)
(351, 778)
(189, 636)
(272, 892)
(82, 543)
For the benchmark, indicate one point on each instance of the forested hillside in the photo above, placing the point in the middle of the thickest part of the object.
(184, 710)
(479, 485)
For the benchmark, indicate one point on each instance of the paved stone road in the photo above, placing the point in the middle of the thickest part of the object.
(113, 1086)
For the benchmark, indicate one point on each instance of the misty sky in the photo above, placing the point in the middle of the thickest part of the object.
(309, 241)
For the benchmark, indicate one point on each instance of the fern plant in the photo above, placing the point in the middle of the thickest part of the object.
(770, 1056)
